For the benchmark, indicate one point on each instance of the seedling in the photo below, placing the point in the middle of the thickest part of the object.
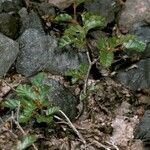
(32, 101)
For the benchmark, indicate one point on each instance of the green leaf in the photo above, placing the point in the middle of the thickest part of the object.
(26, 142)
(38, 79)
(102, 43)
(27, 114)
(43, 118)
(106, 58)
(77, 74)
(91, 21)
(11, 103)
(51, 111)
(42, 96)
(63, 18)
(74, 80)
(118, 41)
(83, 69)
(64, 41)
(25, 91)
(74, 34)
(135, 44)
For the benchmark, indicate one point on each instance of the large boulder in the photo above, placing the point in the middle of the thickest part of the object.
(8, 53)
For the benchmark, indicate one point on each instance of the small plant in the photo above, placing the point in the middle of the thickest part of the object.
(32, 101)
(76, 33)
(77, 74)
(107, 47)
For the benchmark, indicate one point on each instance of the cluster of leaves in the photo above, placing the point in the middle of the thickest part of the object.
(32, 101)
(107, 47)
(76, 33)
(77, 74)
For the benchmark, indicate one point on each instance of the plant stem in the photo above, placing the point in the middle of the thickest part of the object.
(74, 11)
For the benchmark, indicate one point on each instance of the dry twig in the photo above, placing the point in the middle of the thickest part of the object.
(21, 129)
(73, 127)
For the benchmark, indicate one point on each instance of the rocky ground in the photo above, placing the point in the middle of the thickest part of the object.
(117, 98)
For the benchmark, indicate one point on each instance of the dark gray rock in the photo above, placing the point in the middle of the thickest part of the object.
(8, 53)
(136, 78)
(105, 8)
(30, 20)
(62, 97)
(143, 129)
(45, 9)
(142, 32)
(10, 6)
(33, 52)
(146, 53)
(40, 52)
(1, 7)
(135, 18)
(9, 25)
(61, 61)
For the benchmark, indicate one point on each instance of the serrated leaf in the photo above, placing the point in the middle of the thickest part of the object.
(11, 103)
(77, 74)
(102, 43)
(38, 79)
(91, 21)
(74, 34)
(26, 142)
(77, 34)
(25, 91)
(83, 69)
(27, 114)
(135, 44)
(116, 41)
(64, 41)
(43, 118)
(106, 58)
(43, 92)
(63, 18)
(51, 111)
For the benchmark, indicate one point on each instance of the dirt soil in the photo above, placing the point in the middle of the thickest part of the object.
(111, 113)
